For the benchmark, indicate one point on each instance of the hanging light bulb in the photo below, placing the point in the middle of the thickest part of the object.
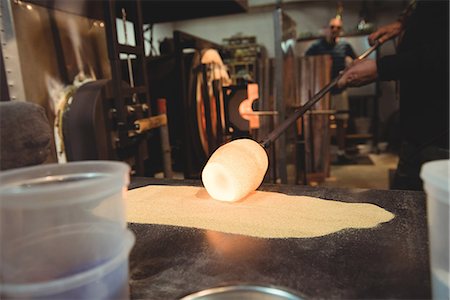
(364, 25)
(339, 10)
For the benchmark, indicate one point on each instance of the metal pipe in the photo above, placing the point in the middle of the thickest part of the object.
(272, 136)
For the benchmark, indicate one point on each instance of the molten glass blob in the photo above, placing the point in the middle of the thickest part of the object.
(235, 170)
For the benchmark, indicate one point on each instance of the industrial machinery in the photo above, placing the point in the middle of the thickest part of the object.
(85, 63)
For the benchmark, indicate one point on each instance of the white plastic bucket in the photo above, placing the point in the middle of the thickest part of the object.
(38, 198)
(78, 262)
(435, 175)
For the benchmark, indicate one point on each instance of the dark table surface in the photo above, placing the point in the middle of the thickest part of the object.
(388, 261)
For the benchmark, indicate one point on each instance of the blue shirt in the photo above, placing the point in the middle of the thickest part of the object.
(338, 53)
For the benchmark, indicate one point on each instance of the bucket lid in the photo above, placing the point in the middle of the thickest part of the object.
(57, 184)
(436, 173)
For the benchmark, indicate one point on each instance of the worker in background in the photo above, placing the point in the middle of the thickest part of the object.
(342, 54)
(421, 65)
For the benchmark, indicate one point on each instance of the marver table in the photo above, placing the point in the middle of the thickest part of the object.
(388, 261)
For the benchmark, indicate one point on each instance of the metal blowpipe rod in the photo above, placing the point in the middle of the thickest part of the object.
(271, 137)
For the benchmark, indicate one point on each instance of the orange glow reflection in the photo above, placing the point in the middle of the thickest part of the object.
(245, 108)
(233, 246)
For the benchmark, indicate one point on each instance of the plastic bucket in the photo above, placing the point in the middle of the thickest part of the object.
(38, 198)
(435, 175)
(72, 262)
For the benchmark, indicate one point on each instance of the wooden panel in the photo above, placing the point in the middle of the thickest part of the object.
(314, 74)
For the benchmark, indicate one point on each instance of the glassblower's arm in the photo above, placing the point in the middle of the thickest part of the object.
(272, 136)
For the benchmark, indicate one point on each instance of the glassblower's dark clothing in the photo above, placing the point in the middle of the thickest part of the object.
(422, 67)
(338, 53)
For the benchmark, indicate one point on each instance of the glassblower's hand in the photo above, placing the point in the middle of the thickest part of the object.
(385, 33)
(360, 72)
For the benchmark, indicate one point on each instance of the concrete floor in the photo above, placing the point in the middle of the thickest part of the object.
(374, 176)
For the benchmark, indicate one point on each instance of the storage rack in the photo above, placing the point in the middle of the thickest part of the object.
(241, 54)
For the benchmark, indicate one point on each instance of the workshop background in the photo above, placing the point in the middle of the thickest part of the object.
(164, 103)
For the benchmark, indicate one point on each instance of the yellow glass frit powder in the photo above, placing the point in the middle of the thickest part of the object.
(260, 214)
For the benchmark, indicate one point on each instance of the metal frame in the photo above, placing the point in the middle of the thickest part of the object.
(134, 98)
(280, 144)
(10, 52)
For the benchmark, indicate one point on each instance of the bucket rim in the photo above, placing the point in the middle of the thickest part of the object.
(18, 187)
(436, 174)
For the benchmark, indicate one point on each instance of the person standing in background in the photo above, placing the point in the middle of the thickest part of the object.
(421, 65)
(342, 54)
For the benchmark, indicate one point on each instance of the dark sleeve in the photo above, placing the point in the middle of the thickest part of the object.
(404, 15)
(312, 50)
(396, 67)
(350, 52)
(424, 48)
(416, 62)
